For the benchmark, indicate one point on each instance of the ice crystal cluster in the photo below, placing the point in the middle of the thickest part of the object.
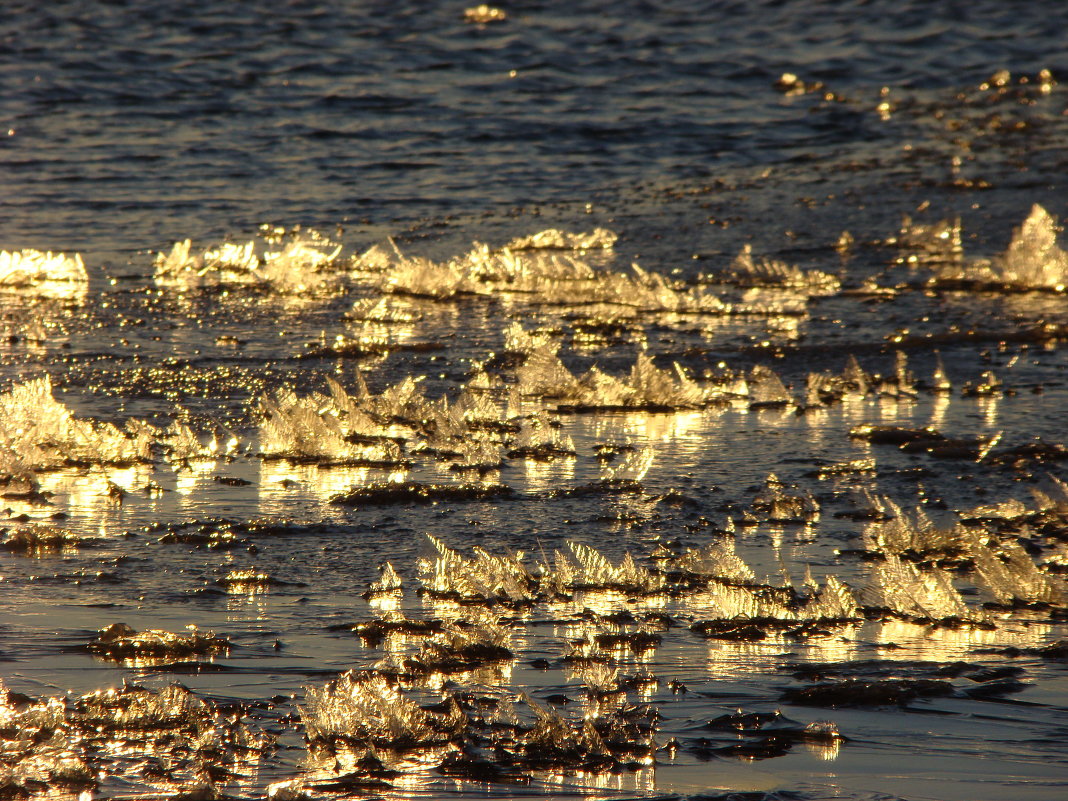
(298, 265)
(37, 432)
(25, 269)
(1033, 259)
(484, 577)
(72, 745)
(369, 708)
(338, 427)
(748, 270)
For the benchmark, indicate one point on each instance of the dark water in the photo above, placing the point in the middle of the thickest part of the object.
(125, 127)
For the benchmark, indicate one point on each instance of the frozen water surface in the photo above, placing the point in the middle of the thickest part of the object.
(663, 401)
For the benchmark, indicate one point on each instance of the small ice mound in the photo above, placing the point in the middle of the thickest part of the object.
(746, 270)
(779, 503)
(300, 265)
(26, 269)
(555, 239)
(37, 432)
(120, 642)
(38, 539)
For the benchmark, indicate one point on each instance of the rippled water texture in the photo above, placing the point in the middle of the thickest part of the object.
(697, 369)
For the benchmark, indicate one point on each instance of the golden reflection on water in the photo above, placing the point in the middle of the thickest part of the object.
(90, 495)
(939, 405)
(989, 406)
(642, 780)
(824, 751)
(543, 476)
(898, 639)
(280, 479)
(740, 660)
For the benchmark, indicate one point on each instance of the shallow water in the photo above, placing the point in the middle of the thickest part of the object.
(128, 131)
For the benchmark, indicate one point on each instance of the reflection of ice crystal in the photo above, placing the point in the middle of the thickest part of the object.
(633, 467)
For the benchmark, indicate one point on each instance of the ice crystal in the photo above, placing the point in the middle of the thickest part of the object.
(555, 239)
(1009, 574)
(485, 577)
(905, 590)
(335, 428)
(387, 581)
(37, 432)
(23, 269)
(914, 533)
(717, 561)
(832, 601)
(367, 708)
(297, 267)
(766, 388)
(1033, 259)
(544, 375)
(747, 270)
(519, 340)
(593, 570)
(539, 439)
